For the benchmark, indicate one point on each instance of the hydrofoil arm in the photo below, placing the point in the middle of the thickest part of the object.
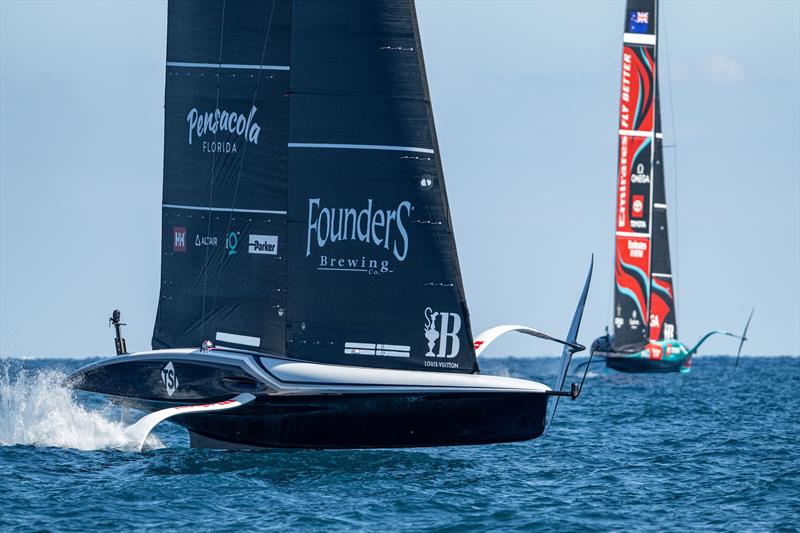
(705, 337)
(139, 431)
(485, 338)
(568, 352)
(744, 336)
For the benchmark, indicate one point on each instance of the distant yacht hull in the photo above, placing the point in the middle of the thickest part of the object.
(309, 405)
(656, 357)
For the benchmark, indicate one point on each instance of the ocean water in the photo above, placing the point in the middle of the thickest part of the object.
(715, 450)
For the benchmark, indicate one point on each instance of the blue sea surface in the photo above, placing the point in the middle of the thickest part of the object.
(714, 450)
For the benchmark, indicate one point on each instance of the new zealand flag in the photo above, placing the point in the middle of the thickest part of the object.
(638, 21)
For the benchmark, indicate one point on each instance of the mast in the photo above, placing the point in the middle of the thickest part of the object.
(637, 157)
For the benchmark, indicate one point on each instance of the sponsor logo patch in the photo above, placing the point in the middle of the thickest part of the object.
(640, 176)
(178, 239)
(655, 351)
(637, 206)
(262, 244)
(441, 331)
(169, 378)
(231, 242)
(204, 240)
(222, 124)
(383, 232)
(638, 21)
(633, 321)
(637, 248)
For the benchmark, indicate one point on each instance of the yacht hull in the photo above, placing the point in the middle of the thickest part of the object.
(307, 405)
(372, 421)
(657, 357)
(643, 365)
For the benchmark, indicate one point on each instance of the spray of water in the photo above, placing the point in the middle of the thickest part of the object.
(36, 409)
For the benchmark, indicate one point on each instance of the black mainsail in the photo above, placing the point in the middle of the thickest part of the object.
(663, 322)
(305, 211)
(644, 306)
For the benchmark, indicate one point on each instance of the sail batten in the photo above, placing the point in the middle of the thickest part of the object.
(362, 147)
(226, 66)
(224, 209)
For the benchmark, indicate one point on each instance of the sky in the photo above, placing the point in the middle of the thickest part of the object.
(525, 100)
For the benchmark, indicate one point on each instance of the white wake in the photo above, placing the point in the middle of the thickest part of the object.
(36, 409)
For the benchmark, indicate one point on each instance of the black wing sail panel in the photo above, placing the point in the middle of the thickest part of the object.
(373, 273)
(225, 175)
(634, 215)
(662, 294)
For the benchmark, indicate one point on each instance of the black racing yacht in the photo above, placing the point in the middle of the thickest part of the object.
(311, 294)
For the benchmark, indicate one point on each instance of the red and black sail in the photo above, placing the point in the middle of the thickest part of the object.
(305, 210)
(643, 297)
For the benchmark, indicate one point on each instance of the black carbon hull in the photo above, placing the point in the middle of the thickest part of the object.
(372, 421)
(358, 417)
(643, 365)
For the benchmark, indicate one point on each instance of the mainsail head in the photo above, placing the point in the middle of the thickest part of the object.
(305, 210)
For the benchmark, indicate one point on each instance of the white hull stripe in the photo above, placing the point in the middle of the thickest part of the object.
(363, 147)
(226, 65)
(244, 340)
(639, 38)
(633, 234)
(634, 133)
(223, 209)
(660, 206)
(333, 383)
(661, 275)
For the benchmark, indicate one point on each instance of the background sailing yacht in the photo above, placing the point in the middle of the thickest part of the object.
(645, 334)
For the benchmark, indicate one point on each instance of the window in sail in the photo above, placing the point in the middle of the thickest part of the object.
(426, 182)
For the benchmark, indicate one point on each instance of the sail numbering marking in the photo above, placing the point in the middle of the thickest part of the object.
(386, 350)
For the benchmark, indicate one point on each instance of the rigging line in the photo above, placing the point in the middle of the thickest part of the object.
(611, 299)
(611, 286)
(267, 29)
(675, 276)
(211, 188)
(656, 117)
